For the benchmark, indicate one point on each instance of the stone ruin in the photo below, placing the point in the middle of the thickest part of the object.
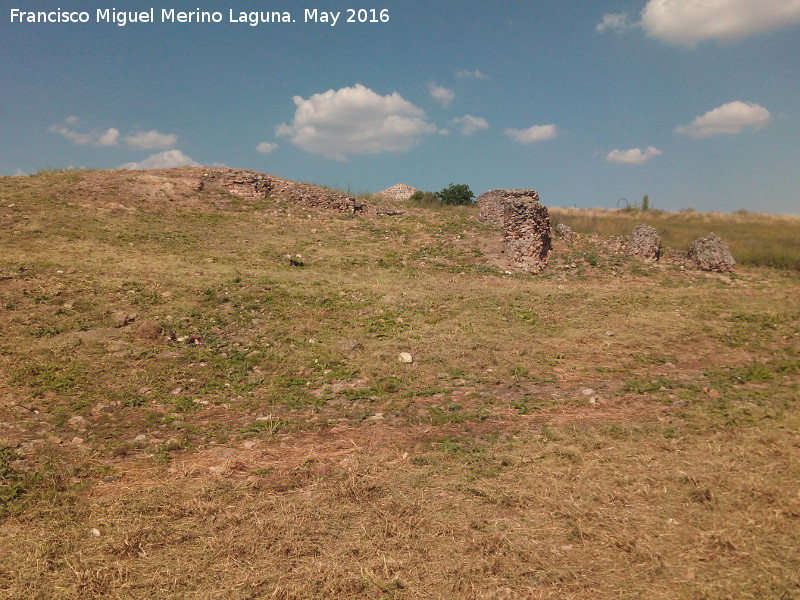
(644, 243)
(252, 185)
(399, 191)
(711, 253)
(490, 204)
(525, 222)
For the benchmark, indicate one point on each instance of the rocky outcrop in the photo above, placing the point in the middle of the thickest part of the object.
(644, 243)
(711, 253)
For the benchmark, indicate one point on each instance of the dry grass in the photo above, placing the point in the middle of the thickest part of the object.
(755, 239)
(612, 429)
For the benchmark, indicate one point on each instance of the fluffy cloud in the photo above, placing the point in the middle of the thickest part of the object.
(537, 133)
(151, 140)
(634, 156)
(616, 22)
(687, 22)
(110, 137)
(441, 94)
(466, 74)
(266, 147)
(162, 160)
(469, 124)
(729, 119)
(355, 120)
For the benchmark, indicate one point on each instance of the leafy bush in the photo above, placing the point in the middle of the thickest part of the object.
(456, 194)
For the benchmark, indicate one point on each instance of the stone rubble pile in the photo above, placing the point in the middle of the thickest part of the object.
(252, 185)
(711, 253)
(399, 191)
(644, 243)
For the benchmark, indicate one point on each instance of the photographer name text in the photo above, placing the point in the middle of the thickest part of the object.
(123, 18)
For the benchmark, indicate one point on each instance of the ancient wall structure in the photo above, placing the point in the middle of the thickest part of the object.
(490, 204)
(527, 232)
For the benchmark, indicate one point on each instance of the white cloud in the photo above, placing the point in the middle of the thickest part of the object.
(634, 156)
(355, 120)
(537, 133)
(466, 74)
(162, 160)
(144, 140)
(151, 140)
(95, 137)
(441, 94)
(616, 22)
(469, 124)
(266, 147)
(729, 118)
(687, 22)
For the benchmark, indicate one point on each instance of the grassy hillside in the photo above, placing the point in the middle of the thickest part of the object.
(202, 397)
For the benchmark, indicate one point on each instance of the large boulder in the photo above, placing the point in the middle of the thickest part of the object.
(644, 243)
(711, 253)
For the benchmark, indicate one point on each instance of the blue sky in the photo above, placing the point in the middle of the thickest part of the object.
(693, 102)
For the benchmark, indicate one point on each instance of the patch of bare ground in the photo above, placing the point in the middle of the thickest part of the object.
(201, 396)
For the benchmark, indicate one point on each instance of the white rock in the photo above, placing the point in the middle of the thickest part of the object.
(405, 357)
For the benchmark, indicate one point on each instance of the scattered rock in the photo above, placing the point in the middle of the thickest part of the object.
(295, 261)
(405, 357)
(388, 211)
(77, 422)
(711, 253)
(349, 346)
(122, 318)
(644, 243)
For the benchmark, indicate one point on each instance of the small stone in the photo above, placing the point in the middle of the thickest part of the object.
(249, 444)
(54, 439)
(349, 346)
(94, 532)
(405, 357)
(176, 391)
(140, 438)
(77, 441)
(77, 422)
(122, 318)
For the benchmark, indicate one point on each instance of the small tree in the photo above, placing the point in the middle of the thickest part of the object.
(646, 202)
(457, 194)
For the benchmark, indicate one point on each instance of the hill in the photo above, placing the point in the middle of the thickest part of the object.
(286, 394)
